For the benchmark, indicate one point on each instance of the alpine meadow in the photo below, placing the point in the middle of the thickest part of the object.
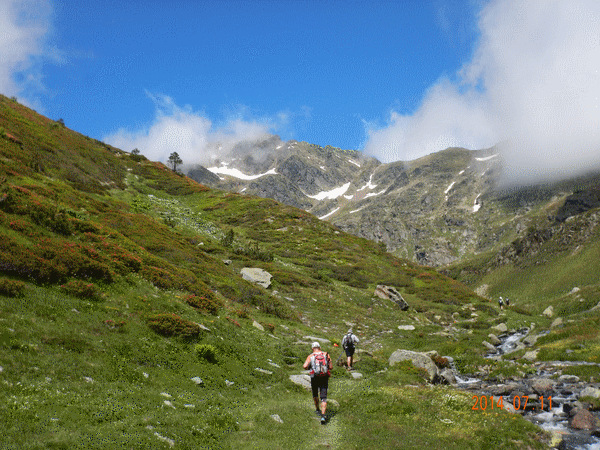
(130, 318)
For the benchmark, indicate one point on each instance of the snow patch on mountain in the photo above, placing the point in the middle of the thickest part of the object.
(329, 214)
(487, 158)
(368, 185)
(334, 193)
(354, 162)
(238, 174)
(373, 194)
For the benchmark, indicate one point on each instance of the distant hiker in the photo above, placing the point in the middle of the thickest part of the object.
(349, 342)
(501, 303)
(507, 301)
(320, 365)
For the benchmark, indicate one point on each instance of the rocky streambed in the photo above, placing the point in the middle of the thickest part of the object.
(555, 402)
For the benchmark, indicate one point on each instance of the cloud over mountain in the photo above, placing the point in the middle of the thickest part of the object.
(24, 26)
(189, 133)
(533, 83)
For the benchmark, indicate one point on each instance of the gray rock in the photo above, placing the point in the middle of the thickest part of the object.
(543, 385)
(420, 360)
(406, 327)
(494, 339)
(197, 380)
(489, 346)
(531, 356)
(319, 340)
(590, 392)
(356, 375)
(276, 418)
(548, 312)
(556, 323)
(448, 376)
(389, 293)
(301, 380)
(267, 372)
(500, 328)
(255, 324)
(257, 276)
(568, 379)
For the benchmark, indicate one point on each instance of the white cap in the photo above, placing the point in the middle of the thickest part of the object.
(316, 345)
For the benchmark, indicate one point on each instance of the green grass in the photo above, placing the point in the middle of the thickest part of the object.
(105, 274)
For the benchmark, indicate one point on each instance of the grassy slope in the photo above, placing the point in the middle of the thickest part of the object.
(107, 264)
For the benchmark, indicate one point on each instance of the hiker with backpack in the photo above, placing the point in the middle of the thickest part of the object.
(349, 342)
(320, 366)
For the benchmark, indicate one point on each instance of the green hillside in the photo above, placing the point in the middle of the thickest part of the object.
(125, 321)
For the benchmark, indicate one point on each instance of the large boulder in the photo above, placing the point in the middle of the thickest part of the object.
(389, 293)
(257, 276)
(420, 360)
(584, 420)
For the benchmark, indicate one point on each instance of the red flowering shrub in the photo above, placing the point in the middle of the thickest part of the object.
(204, 304)
(11, 288)
(173, 325)
(81, 289)
(233, 321)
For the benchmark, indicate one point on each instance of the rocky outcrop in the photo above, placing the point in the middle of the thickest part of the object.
(389, 293)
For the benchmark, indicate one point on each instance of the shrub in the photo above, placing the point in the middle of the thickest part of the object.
(11, 288)
(204, 304)
(440, 361)
(206, 352)
(173, 325)
(82, 289)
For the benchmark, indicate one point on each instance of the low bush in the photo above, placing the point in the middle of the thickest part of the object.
(81, 289)
(172, 325)
(206, 352)
(11, 288)
(204, 304)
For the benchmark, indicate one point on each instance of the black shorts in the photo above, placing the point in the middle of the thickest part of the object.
(349, 351)
(319, 387)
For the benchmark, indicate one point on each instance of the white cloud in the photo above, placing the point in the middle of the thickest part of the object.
(189, 133)
(533, 83)
(24, 28)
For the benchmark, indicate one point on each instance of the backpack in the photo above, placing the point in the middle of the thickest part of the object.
(319, 365)
(348, 341)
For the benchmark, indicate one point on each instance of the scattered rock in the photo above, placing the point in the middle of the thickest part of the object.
(389, 293)
(227, 262)
(169, 404)
(171, 442)
(590, 392)
(500, 328)
(447, 376)
(531, 356)
(301, 380)
(319, 340)
(568, 379)
(255, 324)
(356, 375)
(276, 418)
(268, 372)
(543, 385)
(548, 312)
(229, 383)
(420, 360)
(406, 327)
(584, 420)
(257, 276)
(88, 379)
(197, 380)
(556, 323)
(489, 346)
(494, 339)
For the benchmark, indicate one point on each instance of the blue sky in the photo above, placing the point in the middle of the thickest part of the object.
(396, 79)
